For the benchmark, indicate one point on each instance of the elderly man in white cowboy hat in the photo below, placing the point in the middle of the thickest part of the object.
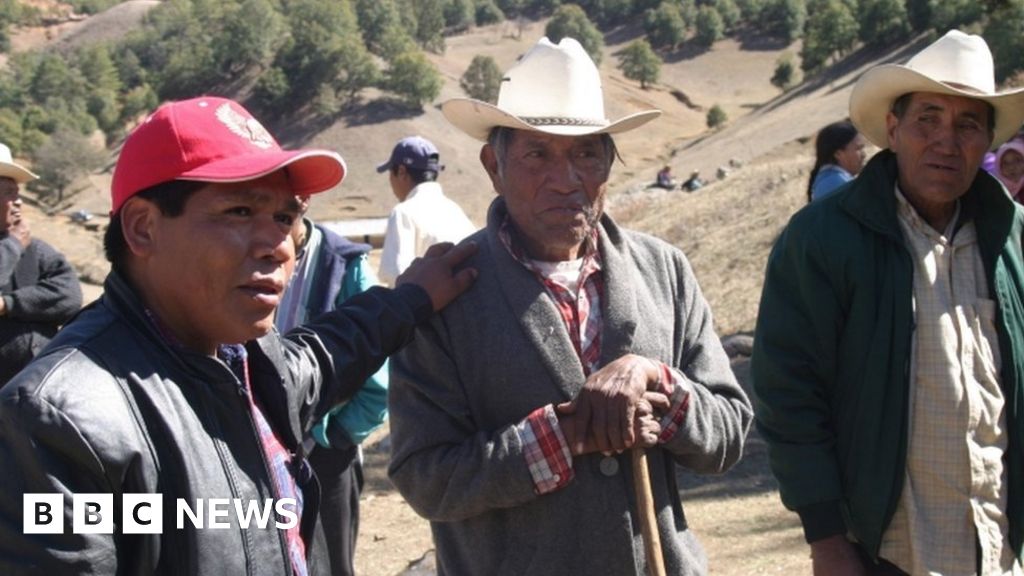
(511, 411)
(889, 355)
(39, 290)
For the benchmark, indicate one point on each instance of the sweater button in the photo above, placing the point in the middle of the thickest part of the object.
(609, 466)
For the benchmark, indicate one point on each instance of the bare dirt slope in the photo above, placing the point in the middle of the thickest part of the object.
(726, 229)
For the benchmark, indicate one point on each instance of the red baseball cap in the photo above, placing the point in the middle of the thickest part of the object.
(211, 139)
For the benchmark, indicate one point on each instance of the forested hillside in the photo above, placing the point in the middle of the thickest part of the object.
(309, 61)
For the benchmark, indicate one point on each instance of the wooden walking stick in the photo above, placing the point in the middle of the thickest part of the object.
(648, 520)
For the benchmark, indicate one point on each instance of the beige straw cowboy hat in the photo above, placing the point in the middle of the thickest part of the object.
(554, 89)
(8, 169)
(957, 64)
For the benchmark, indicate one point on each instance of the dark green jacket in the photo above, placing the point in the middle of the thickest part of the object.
(831, 357)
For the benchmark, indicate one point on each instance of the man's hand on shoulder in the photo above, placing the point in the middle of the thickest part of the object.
(836, 556)
(434, 272)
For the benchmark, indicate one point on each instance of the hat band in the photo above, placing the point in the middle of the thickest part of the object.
(562, 121)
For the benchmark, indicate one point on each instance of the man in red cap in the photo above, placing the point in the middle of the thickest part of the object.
(175, 384)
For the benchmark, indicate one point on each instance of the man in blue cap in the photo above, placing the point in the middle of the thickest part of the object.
(424, 216)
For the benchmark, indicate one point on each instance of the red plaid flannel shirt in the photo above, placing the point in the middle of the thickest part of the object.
(546, 450)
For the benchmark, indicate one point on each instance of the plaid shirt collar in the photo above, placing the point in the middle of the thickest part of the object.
(580, 311)
(591, 255)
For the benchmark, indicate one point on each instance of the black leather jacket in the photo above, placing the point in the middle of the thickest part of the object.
(109, 407)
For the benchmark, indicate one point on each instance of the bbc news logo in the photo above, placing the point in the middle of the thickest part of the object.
(144, 513)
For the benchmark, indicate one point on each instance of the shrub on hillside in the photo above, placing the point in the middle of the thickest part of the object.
(324, 47)
(459, 15)
(381, 26)
(253, 32)
(709, 26)
(639, 62)
(542, 8)
(831, 29)
(716, 117)
(91, 6)
(65, 156)
(511, 8)
(138, 101)
(1004, 35)
(11, 12)
(487, 12)
(785, 72)
(750, 9)
(919, 14)
(784, 18)
(482, 79)
(883, 22)
(730, 14)
(665, 26)
(430, 25)
(614, 12)
(10, 130)
(949, 14)
(272, 89)
(570, 20)
(414, 79)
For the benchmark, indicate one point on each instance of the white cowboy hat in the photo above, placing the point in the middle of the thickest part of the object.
(8, 169)
(552, 89)
(957, 64)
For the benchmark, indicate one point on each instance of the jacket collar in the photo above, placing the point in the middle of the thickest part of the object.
(265, 356)
(871, 200)
(540, 320)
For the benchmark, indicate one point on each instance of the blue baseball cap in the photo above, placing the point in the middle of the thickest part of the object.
(414, 152)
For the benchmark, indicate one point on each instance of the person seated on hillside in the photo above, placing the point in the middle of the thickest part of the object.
(838, 157)
(694, 182)
(665, 179)
(39, 290)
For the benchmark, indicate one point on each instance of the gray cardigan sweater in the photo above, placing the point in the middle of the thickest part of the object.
(41, 292)
(499, 352)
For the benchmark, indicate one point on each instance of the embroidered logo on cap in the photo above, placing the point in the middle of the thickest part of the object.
(248, 128)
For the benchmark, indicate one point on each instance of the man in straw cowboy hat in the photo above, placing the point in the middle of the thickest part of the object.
(889, 355)
(175, 385)
(511, 410)
(39, 290)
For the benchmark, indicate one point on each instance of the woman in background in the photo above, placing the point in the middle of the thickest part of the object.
(839, 156)
(1009, 167)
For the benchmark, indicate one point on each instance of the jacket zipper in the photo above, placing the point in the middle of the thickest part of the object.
(230, 473)
(282, 540)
